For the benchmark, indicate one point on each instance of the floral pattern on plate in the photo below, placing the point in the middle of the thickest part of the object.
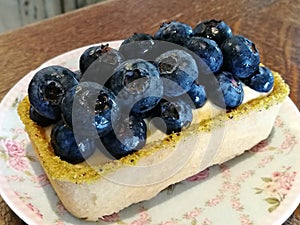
(277, 186)
(261, 186)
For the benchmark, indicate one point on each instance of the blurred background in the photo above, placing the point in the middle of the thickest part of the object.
(17, 13)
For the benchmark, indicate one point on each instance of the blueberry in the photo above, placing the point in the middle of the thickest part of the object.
(241, 57)
(128, 136)
(137, 46)
(178, 70)
(67, 147)
(67, 105)
(175, 32)
(197, 95)
(208, 51)
(176, 114)
(47, 89)
(137, 85)
(262, 80)
(103, 63)
(39, 119)
(90, 55)
(145, 115)
(78, 75)
(231, 89)
(216, 30)
(103, 54)
(88, 108)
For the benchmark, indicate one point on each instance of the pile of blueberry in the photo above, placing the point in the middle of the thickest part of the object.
(148, 76)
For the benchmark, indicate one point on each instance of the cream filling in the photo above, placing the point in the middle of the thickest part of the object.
(208, 110)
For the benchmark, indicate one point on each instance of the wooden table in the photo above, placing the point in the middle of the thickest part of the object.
(273, 25)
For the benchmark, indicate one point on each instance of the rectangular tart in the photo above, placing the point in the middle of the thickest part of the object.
(90, 192)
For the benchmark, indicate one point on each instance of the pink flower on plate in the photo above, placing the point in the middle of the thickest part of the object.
(24, 196)
(289, 142)
(60, 209)
(19, 163)
(192, 214)
(260, 147)
(264, 161)
(143, 220)
(207, 222)
(278, 122)
(276, 174)
(110, 218)
(139, 222)
(41, 180)
(18, 130)
(227, 186)
(13, 148)
(35, 210)
(245, 220)
(214, 201)
(285, 182)
(277, 187)
(15, 178)
(144, 214)
(199, 176)
(169, 222)
(246, 174)
(225, 171)
(59, 222)
(236, 204)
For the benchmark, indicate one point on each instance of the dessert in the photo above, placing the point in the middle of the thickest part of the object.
(141, 158)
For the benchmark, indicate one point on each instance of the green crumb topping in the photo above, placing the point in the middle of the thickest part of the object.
(53, 165)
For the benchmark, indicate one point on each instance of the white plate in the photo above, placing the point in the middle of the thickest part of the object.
(260, 187)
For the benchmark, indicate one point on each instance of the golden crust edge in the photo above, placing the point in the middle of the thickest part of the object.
(64, 171)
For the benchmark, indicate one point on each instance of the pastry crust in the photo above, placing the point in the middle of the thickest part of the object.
(91, 192)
